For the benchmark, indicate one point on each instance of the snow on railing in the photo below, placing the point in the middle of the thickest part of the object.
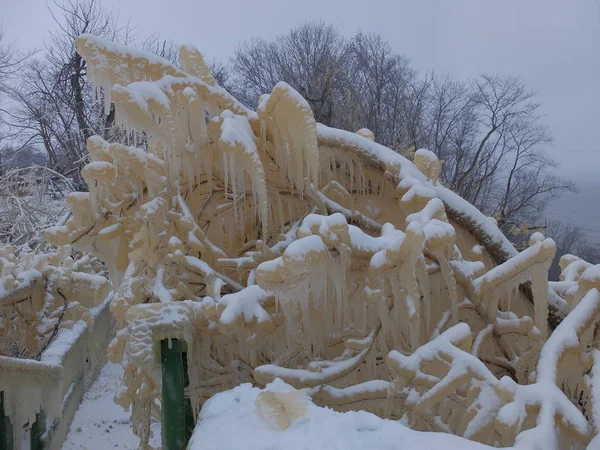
(443, 373)
(41, 397)
(48, 301)
(531, 264)
(40, 294)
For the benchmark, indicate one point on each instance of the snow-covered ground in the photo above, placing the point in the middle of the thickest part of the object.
(231, 421)
(99, 423)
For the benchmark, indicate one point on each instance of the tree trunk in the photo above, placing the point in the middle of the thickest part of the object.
(77, 87)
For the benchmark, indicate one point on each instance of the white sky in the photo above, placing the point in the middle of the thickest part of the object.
(554, 45)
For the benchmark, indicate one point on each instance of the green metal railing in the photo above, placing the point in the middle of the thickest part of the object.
(177, 417)
(7, 436)
(38, 429)
(6, 430)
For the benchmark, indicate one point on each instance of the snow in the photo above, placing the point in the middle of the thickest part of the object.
(25, 278)
(320, 429)
(101, 424)
(309, 377)
(370, 149)
(111, 46)
(108, 65)
(270, 265)
(143, 91)
(426, 154)
(288, 116)
(348, 214)
(99, 166)
(29, 373)
(591, 275)
(237, 133)
(236, 129)
(298, 250)
(444, 343)
(366, 133)
(411, 178)
(574, 267)
(565, 336)
(247, 304)
(433, 228)
(290, 92)
(545, 392)
(63, 342)
(390, 238)
(357, 389)
(491, 230)
(515, 265)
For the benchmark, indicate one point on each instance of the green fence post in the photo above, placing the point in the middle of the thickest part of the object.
(6, 431)
(189, 414)
(37, 431)
(173, 396)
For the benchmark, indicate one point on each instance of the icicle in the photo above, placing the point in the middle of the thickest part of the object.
(448, 275)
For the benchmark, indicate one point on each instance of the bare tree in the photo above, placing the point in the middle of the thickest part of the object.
(53, 105)
(309, 58)
(529, 180)
(385, 82)
(570, 239)
(165, 48)
(69, 69)
(450, 121)
(11, 60)
(500, 100)
(490, 135)
(11, 63)
(374, 63)
(222, 74)
(42, 116)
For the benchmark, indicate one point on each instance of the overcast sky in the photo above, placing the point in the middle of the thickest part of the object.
(554, 45)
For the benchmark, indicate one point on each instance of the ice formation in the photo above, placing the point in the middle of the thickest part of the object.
(281, 248)
(44, 299)
(41, 294)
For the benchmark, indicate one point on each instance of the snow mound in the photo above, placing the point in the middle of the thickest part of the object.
(233, 420)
